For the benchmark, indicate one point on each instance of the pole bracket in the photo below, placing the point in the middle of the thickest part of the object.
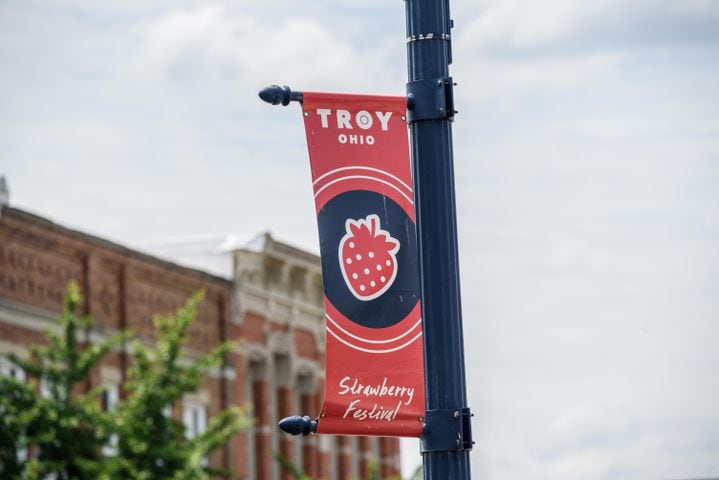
(447, 431)
(430, 99)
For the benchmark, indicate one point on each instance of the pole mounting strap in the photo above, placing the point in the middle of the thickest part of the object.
(429, 36)
(447, 431)
(430, 99)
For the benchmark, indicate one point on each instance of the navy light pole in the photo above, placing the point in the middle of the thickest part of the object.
(447, 433)
(447, 438)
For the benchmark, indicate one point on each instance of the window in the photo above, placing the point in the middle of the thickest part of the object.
(44, 388)
(47, 390)
(110, 398)
(194, 417)
(9, 369)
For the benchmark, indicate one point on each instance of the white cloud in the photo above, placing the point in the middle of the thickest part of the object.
(216, 42)
(498, 78)
(586, 159)
(525, 27)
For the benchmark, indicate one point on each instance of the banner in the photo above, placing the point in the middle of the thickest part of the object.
(362, 182)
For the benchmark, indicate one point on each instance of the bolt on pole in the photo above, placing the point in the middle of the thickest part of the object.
(447, 439)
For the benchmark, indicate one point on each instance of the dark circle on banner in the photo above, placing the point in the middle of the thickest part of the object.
(400, 298)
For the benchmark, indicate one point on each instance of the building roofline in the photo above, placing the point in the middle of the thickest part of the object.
(265, 242)
(108, 244)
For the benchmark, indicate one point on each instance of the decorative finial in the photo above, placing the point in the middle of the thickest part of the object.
(275, 95)
(297, 425)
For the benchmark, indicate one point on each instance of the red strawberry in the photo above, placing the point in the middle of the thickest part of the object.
(367, 256)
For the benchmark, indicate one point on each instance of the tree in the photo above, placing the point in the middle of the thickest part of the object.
(151, 444)
(60, 433)
(290, 467)
(63, 429)
(18, 411)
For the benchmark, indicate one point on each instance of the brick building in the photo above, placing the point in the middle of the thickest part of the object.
(274, 303)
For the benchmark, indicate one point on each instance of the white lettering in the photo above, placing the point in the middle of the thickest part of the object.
(350, 407)
(344, 388)
(324, 113)
(342, 138)
(349, 385)
(377, 412)
(364, 119)
(384, 119)
(343, 119)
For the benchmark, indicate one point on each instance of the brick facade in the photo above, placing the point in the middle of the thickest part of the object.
(274, 305)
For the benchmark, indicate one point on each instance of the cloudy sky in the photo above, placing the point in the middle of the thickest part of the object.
(587, 156)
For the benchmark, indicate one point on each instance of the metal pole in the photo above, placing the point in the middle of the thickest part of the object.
(447, 438)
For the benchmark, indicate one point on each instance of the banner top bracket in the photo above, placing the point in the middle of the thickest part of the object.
(430, 99)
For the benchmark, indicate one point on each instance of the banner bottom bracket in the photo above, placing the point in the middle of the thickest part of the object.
(447, 430)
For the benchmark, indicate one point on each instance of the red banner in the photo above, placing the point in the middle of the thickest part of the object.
(362, 182)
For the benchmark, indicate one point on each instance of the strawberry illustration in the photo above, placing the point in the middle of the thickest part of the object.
(367, 256)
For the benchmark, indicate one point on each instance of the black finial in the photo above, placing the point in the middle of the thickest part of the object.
(275, 95)
(297, 425)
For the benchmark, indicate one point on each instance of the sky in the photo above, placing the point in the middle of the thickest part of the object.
(587, 163)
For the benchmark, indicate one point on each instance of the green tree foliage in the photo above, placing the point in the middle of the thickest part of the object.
(20, 414)
(151, 444)
(62, 429)
(60, 433)
(288, 466)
